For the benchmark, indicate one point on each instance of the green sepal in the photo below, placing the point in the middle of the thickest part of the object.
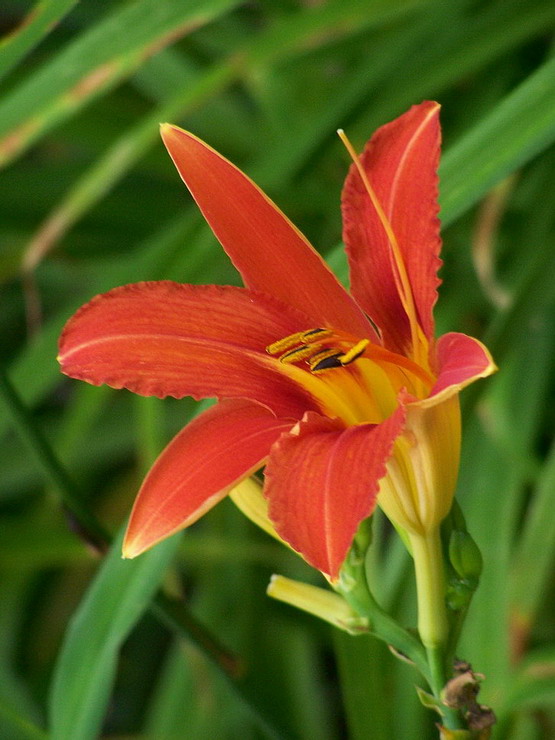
(463, 561)
(465, 556)
(458, 595)
(429, 701)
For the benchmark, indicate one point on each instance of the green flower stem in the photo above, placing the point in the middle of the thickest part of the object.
(387, 629)
(430, 585)
(433, 626)
(353, 586)
(451, 718)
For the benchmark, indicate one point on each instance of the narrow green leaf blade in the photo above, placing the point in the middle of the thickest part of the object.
(37, 24)
(533, 561)
(86, 666)
(521, 126)
(95, 62)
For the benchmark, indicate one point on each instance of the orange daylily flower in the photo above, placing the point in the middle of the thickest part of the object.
(340, 396)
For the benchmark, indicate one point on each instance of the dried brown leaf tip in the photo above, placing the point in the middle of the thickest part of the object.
(461, 693)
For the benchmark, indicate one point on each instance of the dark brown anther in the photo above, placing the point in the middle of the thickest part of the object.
(327, 363)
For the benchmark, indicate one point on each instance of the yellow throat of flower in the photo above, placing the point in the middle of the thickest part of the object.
(351, 378)
(359, 382)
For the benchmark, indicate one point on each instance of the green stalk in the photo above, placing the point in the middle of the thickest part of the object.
(430, 587)
(353, 586)
(432, 617)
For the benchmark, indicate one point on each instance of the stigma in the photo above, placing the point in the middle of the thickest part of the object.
(320, 349)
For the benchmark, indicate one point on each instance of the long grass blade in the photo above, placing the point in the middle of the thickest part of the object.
(37, 24)
(93, 64)
(87, 663)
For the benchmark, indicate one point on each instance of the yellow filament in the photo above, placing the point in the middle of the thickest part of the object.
(331, 395)
(400, 274)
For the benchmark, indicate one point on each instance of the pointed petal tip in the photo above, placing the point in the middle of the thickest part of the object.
(269, 252)
(433, 109)
(166, 128)
(431, 105)
(131, 549)
(491, 368)
(400, 162)
(172, 135)
(168, 133)
(137, 541)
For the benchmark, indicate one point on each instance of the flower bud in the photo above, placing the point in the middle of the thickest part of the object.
(465, 556)
(320, 602)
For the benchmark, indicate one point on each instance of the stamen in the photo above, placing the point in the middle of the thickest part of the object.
(286, 343)
(301, 337)
(325, 361)
(355, 352)
(316, 335)
(296, 355)
(310, 346)
(323, 349)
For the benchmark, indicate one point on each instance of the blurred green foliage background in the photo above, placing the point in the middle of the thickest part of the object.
(90, 200)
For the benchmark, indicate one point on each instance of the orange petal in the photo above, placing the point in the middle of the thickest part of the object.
(167, 339)
(322, 481)
(401, 161)
(461, 360)
(268, 250)
(197, 469)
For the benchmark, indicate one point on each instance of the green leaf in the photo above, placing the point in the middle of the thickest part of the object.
(87, 663)
(535, 554)
(37, 24)
(364, 685)
(533, 683)
(17, 727)
(93, 64)
(120, 157)
(518, 128)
